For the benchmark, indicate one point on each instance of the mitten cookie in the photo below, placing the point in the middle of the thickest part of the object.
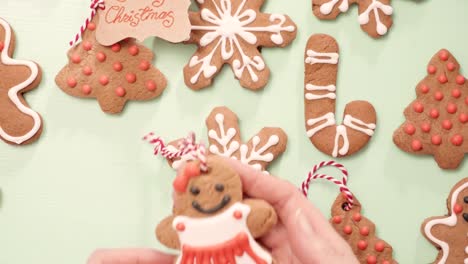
(232, 32)
(19, 124)
(437, 121)
(449, 233)
(375, 16)
(359, 123)
(359, 232)
(207, 202)
(113, 75)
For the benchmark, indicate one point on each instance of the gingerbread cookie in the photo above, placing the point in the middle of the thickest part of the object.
(375, 16)
(359, 123)
(232, 32)
(207, 202)
(19, 124)
(113, 75)
(449, 233)
(437, 121)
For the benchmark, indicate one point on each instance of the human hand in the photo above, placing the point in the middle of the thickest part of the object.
(130, 256)
(303, 235)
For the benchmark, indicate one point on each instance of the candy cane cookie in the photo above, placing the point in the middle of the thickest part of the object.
(359, 122)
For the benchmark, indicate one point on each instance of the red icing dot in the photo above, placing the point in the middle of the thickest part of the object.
(144, 65)
(410, 129)
(371, 260)
(87, 70)
(151, 85)
(434, 113)
(457, 209)
(133, 50)
(100, 56)
(238, 214)
(460, 80)
(116, 47)
(104, 80)
(337, 219)
(456, 93)
(385, 262)
(431, 69)
(180, 227)
(426, 127)
(463, 118)
(364, 231)
(131, 77)
(362, 245)
(443, 55)
(466, 100)
(119, 91)
(438, 96)
(357, 217)
(416, 145)
(71, 82)
(450, 66)
(87, 46)
(2, 46)
(442, 78)
(76, 58)
(379, 246)
(86, 89)
(91, 26)
(348, 230)
(117, 66)
(457, 140)
(436, 139)
(452, 108)
(446, 124)
(424, 88)
(418, 107)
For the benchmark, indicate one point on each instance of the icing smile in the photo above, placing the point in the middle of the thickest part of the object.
(221, 205)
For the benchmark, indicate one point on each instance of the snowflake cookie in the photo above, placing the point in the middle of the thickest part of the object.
(375, 16)
(231, 32)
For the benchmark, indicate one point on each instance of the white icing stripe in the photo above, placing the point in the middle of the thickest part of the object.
(314, 57)
(374, 7)
(341, 132)
(258, 155)
(349, 122)
(311, 87)
(13, 92)
(225, 138)
(448, 221)
(329, 119)
(311, 96)
(327, 8)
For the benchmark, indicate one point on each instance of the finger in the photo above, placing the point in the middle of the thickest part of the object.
(130, 256)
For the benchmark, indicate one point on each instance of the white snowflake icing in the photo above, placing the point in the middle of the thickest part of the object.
(227, 26)
(224, 139)
(258, 155)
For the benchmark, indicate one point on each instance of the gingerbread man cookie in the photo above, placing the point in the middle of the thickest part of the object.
(113, 75)
(437, 121)
(19, 124)
(232, 32)
(207, 202)
(375, 16)
(450, 233)
(359, 123)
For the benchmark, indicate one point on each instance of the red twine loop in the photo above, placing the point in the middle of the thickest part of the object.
(186, 146)
(342, 184)
(95, 5)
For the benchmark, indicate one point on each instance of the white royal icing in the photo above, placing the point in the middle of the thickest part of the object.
(13, 92)
(329, 119)
(224, 139)
(258, 155)
(205, 232)
(314, 57)
(227, 27)
(327, 8)
(448, 221)
(311, 96)
(341, 132)
(374, 7)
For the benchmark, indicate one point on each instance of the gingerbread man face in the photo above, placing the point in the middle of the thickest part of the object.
(206, 194)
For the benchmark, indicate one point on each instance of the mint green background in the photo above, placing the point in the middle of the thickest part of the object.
(90, 181)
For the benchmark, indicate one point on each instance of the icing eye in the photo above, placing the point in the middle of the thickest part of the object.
(465, 216)
(219, 187)
(194, 190)
(465, 199)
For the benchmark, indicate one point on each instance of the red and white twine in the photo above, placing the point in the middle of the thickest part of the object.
(187, 146)
(95, 5)
(341, 183)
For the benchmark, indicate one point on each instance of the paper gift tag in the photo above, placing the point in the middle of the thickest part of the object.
(121, 19)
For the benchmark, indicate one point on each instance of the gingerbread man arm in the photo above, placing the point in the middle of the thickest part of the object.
(262, 217)
(166, 234)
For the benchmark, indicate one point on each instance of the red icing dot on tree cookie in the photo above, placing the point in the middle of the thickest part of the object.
(87, 45)
(457, 209)
(133, 50)
(418, 107)
(364, 231)
(151, 85)
(424, 88)
(438, 96)
(337, 219)
(379, 246)
(144, 65)
(446, 124)
(117, 66)
(116, 47)
(120, 92)
(443, 55)
(457, 140)
(451, 66)
(91, 26)
(101, 57)
(86, 89)
(426, 127)
(456, 93)
(434, 113)
(442, 78)
(416, 145)
(410, 129)
(237, 214)
(71, 82)
(371, 260)
(460, 80)
(348, 230)
(76, 58)
(180, 227)
(362, 245)
(431, 69)
(463, 118)
(131, 77)
(436, 139)
(452, 108)
(357, 217)
(87, 70)
(104, 80)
